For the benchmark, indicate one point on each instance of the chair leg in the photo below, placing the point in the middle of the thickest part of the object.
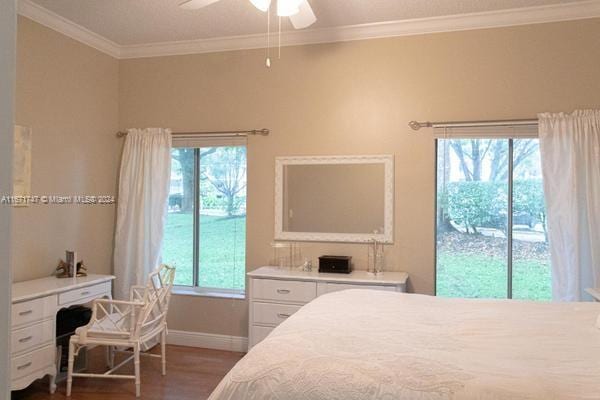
(163, 351)
(136, 361)
(70, 367)
(110, 356)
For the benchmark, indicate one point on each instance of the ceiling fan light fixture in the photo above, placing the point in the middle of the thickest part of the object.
(286, 8)
(262, 5)
(196, 4)
(305, 18)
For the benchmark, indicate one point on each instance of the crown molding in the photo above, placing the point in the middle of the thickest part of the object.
(451, 23)
(68, 28)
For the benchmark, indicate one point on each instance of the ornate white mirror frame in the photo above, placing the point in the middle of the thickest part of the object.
(386, 237)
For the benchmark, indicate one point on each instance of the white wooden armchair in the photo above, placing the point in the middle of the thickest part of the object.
(127, 326)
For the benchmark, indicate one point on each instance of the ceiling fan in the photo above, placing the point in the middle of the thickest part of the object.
(299, 11)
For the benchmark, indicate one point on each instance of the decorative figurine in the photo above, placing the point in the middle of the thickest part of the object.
(62, 270)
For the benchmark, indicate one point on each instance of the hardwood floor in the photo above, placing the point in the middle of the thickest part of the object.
(192, 373)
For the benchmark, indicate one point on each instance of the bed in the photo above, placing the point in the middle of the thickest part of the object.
(364, 344)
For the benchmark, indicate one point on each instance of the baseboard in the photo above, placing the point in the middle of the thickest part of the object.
(208, 340)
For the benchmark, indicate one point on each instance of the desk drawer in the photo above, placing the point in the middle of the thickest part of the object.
(26, 364)
(84, 294)
(32, 310)
(32, 336)
(279, 290)
(272, 314)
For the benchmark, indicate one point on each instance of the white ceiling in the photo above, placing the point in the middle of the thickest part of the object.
(136, 22)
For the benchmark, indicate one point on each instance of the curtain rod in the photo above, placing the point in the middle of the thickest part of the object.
(262, 132)
(415, 125)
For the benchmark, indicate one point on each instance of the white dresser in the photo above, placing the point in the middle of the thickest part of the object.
(276, 293)
(33, 325)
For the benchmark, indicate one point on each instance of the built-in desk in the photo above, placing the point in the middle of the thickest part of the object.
(33, 325)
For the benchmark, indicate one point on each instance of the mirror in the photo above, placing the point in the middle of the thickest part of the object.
(334, 199)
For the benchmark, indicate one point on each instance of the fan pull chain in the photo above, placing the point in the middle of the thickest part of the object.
(279, 41)
(268, 60)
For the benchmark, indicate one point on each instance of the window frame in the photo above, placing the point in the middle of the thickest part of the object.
(511, 134)
(197, 143)
(200, 291)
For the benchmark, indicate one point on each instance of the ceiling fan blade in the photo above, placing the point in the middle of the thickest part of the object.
(305, 17)
(262, 5)
(196, 4)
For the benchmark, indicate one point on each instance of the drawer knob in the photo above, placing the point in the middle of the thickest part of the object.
(283, 291)
(23, 313)
(283, 316)
(86, 293)
(25, 339)
(27, 365)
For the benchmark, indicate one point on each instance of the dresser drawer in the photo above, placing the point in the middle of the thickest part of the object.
(84, 294)
(26, 364)
(280, 290)
(32, 336)
(32, 310)
(259, 333)
(271, 313)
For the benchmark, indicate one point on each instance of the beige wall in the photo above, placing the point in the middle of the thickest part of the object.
(356, 98)
(342, 98)
(7, 84)
(68, 94)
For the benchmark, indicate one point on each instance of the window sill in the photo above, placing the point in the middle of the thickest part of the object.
(209, 292)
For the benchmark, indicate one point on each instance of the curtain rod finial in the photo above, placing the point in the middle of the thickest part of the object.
(415, 125)
(263, 132)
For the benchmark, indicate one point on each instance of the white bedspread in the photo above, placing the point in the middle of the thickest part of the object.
(363, 344)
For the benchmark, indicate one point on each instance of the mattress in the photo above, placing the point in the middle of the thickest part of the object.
(365, 344)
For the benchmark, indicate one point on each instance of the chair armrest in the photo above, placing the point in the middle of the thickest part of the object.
(111, 306)
(117, 302)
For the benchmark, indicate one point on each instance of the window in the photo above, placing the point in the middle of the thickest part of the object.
(491, 237)
(205, 233)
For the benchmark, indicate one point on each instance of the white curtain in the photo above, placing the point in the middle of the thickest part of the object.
(570, 151)
(142, 206)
